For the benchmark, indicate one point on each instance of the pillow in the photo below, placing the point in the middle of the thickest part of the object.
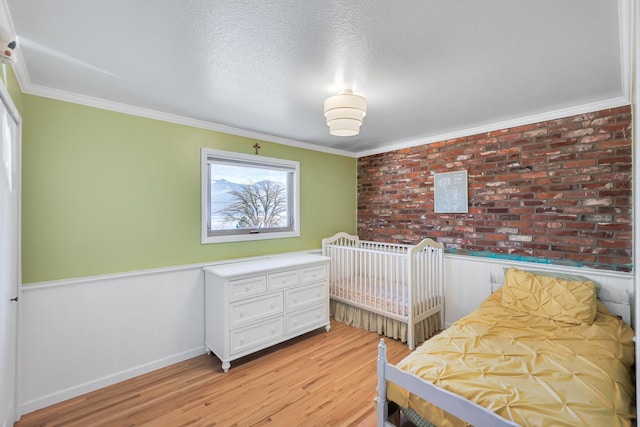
(568, 301)
(564, 276)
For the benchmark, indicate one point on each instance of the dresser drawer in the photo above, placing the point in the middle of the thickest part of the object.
(243, 288)
(311, 274)
(283, 279)
(257, 336)
(306, 320)
(245, 311)
(305, 295)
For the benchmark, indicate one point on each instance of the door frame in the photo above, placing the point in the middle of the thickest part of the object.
(12, 110)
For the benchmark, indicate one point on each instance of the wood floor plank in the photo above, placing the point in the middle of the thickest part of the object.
(319, 379)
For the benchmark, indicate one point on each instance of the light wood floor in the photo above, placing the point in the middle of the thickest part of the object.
(320, 379)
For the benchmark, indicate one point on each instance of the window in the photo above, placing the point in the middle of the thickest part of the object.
(246, 197)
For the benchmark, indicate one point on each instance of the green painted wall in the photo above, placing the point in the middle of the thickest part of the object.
(11, 83)
(106, 192)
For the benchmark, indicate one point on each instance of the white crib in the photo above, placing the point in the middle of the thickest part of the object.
(388, 285)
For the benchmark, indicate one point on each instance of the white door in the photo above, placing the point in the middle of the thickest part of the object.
(9, 255)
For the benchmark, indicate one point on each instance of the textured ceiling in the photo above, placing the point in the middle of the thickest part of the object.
(429, 69)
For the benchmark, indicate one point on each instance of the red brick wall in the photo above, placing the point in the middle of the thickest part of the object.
(557, 191)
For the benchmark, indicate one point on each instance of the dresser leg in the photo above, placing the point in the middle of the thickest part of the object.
(328, 327)
(226, 366)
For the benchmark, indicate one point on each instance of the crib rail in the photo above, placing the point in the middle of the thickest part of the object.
(402, 282)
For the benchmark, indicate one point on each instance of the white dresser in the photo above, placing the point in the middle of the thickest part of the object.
(251, 305)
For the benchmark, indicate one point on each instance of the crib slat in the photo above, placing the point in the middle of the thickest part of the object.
(397, 289)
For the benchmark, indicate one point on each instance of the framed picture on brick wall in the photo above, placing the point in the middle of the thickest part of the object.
(450, 192)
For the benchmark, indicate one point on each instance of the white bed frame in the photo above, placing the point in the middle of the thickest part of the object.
(452, 403)
(400, 282)
(618, 302)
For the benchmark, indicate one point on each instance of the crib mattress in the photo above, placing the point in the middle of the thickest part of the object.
(534, 370)
(383, 295)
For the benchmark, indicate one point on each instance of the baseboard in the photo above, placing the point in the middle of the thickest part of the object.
(90, 386)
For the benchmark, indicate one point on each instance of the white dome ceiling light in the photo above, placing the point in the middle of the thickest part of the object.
(345, 113)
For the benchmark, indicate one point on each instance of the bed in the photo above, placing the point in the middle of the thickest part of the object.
(392, 289)
(539, 351)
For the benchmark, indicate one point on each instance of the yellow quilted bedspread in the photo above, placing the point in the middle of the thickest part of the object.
(532, 370)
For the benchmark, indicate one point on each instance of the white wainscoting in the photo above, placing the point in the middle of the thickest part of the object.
(468, 278)
(79, 335)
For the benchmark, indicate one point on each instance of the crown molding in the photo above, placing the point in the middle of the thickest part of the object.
(626, 34)
(626, 31)
(173, 118)
(26, 86)
(89, 101)
(536, 118)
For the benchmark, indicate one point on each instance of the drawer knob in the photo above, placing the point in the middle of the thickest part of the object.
(241, 313)
(248, 288)
(295, 299)
(273, 331)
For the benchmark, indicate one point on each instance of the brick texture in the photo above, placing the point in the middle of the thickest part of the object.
(557, 191)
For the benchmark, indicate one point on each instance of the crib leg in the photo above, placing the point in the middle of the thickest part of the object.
(411, 341)
(382, 407)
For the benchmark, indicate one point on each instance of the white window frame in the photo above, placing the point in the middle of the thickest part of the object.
(207, 155)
